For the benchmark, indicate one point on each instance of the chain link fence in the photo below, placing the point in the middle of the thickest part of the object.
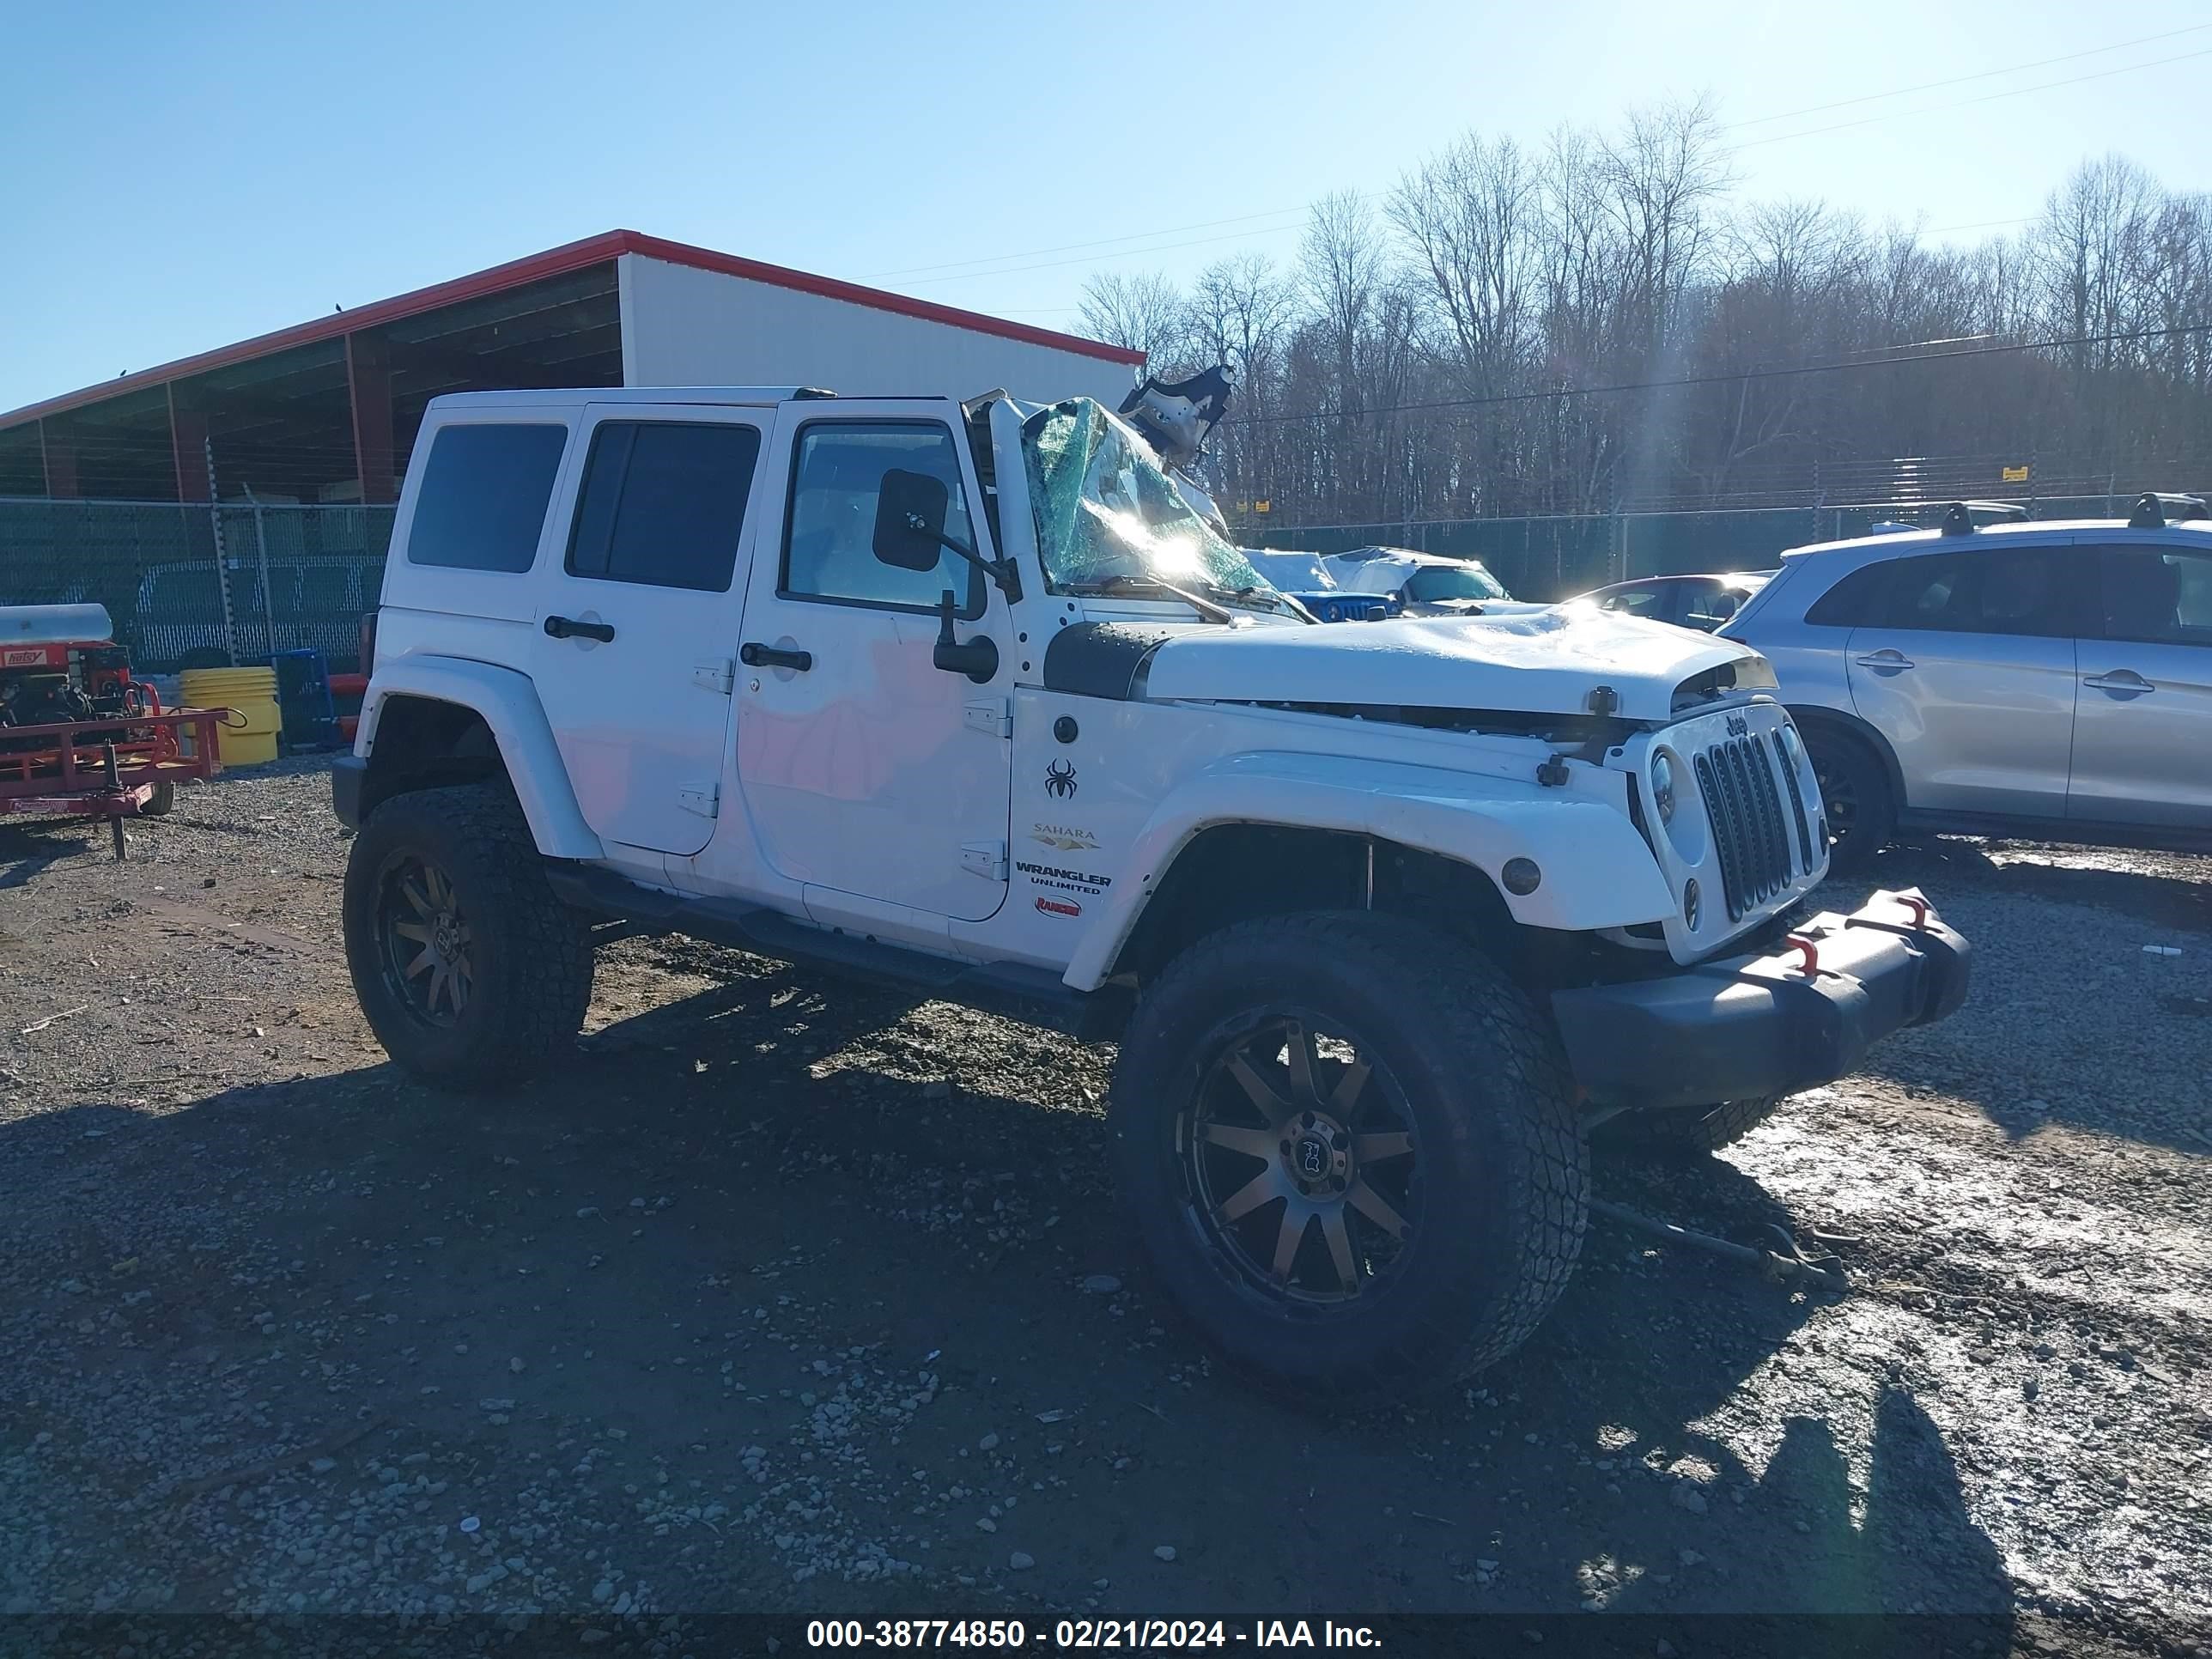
(195, 586)
(198, 587)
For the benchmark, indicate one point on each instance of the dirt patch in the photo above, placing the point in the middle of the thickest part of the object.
(792, 1295)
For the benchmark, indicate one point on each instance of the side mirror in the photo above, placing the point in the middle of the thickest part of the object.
(911, 510)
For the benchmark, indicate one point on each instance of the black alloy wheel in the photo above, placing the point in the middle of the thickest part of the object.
(1302, 1159)
(424, 940)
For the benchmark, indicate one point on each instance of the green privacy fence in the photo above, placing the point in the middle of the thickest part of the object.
(1554, 558)
(198, 586)
(195, 585)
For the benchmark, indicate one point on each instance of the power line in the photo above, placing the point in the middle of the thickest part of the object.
(1761, 120)
(1729, 379)
(1966, 103)
(1983, 224)
(1164, 247)
(1961, 80)
(1104, 241)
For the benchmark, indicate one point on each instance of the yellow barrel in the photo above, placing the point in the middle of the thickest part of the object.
(253, 693)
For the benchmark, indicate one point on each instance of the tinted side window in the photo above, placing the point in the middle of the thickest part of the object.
(2156, 595)
(663, 502)
(483, 497)
(1654, 602)
(2020, 591)
(1856, 601)
(1710, 609)
(829, 544)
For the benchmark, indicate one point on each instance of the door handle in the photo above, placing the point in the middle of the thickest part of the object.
(564, 628)
(2120, 679)
(768, 656)
(1884, 658)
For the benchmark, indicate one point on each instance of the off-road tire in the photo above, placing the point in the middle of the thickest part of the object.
(1691, 1128)
(533, 978)
(161, 802)
(1483, 1077)
(1855, 798)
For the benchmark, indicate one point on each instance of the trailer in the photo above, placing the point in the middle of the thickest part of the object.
(79, 736)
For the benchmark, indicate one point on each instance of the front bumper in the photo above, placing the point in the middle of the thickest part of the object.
(1748, 1026)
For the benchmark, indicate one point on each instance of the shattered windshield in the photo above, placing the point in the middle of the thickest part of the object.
(1108, 515)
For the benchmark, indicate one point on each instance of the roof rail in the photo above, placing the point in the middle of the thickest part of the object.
(2154, 511)
(1963, 518)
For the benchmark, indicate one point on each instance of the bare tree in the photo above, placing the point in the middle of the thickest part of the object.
(1143, 313)
(1595, 325)
(1468, 220)
(1663, 176)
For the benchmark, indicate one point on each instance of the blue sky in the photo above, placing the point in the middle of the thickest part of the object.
(183, 177)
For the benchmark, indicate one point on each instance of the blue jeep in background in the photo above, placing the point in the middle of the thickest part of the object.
(1305, 578)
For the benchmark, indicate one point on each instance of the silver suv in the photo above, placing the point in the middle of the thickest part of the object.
(2048, 680)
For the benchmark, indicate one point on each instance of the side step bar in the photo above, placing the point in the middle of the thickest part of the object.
(1034, 996)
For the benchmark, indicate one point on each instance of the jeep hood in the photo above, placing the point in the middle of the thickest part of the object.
(1545, 664)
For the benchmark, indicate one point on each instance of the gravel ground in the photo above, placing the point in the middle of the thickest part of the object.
(792, 1296)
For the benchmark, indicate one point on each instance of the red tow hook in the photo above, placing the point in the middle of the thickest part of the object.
(1810, 949)
(1919, 907)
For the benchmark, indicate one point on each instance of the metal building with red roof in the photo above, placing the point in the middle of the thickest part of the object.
(326, 412)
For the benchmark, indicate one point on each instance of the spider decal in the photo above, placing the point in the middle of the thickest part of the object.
(1059, 779)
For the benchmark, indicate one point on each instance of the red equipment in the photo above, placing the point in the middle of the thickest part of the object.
(79, 736)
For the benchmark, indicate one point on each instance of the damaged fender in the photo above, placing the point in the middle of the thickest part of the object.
(1596, 870)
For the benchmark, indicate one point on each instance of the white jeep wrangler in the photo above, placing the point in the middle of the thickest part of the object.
(967, 696)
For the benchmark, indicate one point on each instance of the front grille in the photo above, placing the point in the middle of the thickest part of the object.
(1751, 830)
(1796, 799)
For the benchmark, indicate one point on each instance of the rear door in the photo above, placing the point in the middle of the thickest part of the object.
(635, 631)
(1969, 673)
(2143, 734)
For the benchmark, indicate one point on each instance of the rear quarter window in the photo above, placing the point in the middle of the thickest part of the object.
(1856, 601)
(484, 492)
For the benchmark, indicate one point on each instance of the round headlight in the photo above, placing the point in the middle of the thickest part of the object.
(1662, 787)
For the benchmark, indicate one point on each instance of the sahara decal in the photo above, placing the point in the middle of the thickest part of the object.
(1063, 838)
(1053, 907)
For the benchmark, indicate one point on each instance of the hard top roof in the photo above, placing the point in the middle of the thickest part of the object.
(742, 396)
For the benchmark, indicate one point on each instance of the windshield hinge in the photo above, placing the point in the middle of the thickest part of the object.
(986, 859)
(993, 716)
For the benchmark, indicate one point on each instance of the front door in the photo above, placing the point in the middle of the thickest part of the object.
(637, 630)
(868, 772)
(1970, 675)
(2142, 724)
